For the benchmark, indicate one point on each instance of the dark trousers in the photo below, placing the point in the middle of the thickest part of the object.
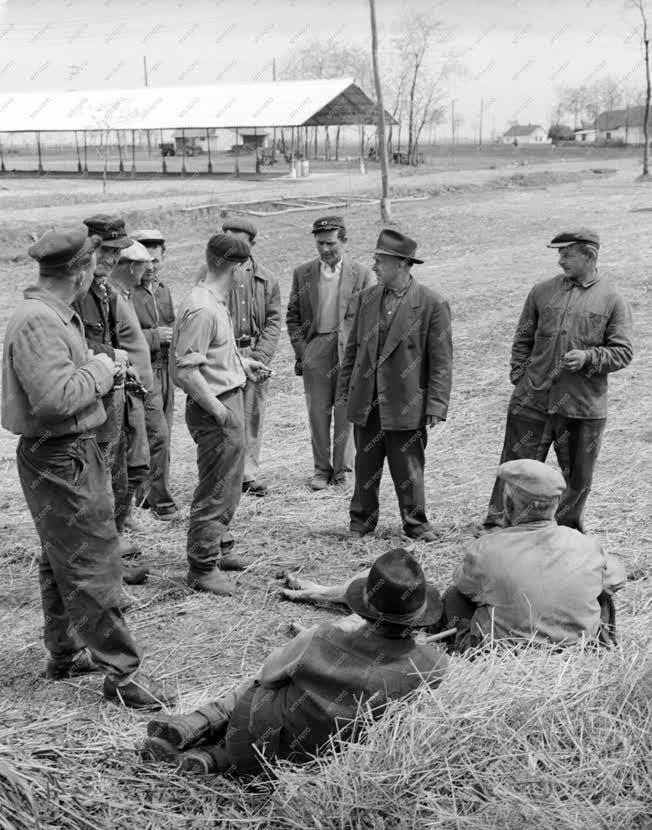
(158, 437)
(220, 465)
(164, 381)
(66, 487)
(577, 444)
(321, 369)
(405, 454)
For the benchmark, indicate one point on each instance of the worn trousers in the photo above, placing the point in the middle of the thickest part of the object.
(220, 466)
(405, 454)
(164, 384)
(156, 485)
(67, 489)
(320, 372)
(577, 444)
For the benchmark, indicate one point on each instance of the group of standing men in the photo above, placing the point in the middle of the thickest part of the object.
(86, 384)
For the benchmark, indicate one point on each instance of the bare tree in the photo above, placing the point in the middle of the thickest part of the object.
(385, 204)
(640, 5)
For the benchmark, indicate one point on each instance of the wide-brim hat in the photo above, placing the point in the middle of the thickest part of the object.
(395, 591)
(394, 243)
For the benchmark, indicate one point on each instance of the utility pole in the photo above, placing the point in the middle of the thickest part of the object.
(149, 144)
(480, 128)
(385, 204)
(274, 133)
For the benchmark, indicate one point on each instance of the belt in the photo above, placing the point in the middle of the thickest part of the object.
(243, 342)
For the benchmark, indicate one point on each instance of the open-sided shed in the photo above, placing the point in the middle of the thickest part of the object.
(111, 112)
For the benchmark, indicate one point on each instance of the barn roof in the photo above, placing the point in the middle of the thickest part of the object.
(231, 106)
(629, 117)
(521, 130)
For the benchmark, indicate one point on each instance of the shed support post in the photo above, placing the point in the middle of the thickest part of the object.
(133, 152)
(3, 169)
(85, 153)
(164, 166)
(183, 151)
(79, 164)
(40, 157)
(208, 148)
(236, 167)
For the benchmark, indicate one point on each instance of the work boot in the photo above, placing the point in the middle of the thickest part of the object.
(131, 524)
(227, 542)
(211, 582)
(138, 691)
(198, 761)
(234, 562)
(165, 512)
(135, 576)
(82, 662)
(319, 481)
(159, 751)
(344, 480)
(254, 488)
(129, 550)
(181, 731)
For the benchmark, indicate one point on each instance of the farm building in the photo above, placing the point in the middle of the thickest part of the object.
(525, 134)
(625, 126)
(586, 135)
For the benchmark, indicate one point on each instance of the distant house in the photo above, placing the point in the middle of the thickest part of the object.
(586, 135)
(526, 134)
(624, 125)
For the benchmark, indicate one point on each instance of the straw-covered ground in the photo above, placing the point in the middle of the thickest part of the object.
(539, 739)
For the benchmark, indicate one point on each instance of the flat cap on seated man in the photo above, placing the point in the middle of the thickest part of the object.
(315, 686)
(533, 579)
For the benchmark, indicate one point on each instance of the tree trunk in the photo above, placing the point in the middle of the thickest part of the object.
(413, 87)
(316, 144)
(327, 144)
(385, 203)
(648, 95)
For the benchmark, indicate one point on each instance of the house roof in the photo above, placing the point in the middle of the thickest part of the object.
(521, 130)
(628, 117)
(272, 104)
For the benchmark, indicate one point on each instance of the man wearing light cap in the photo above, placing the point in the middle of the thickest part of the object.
(206, 364)
(153, 304)
(52, 391)
(534, 580)
(319, 317)
(574, 330)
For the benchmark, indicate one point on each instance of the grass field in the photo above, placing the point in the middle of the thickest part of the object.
(540, 740)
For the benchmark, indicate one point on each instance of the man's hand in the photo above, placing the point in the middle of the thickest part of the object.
(574, 360)
(121, 356)
(220, 413)
(433, 421)
(132, 372)
(104, 359)
(165, 335)
(256, 369)
(298, 368)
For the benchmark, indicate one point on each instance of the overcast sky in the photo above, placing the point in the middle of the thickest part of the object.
(516, 52)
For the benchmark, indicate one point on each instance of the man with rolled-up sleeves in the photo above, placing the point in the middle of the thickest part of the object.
(575, 329)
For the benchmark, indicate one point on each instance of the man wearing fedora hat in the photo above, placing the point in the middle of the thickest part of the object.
(52, 391)
(534, 580)
(316, 685)
(319, 316)
(574, 330)
(396, 380)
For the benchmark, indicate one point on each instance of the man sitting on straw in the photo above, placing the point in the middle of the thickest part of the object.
(317, 684)
(532, 580)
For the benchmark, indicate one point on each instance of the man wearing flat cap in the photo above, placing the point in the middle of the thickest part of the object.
(396, 379)
(153, 305)
(316, 686)
(52, 391)
(206, 364)
(534, 580)
(574, 330)
(319, 317)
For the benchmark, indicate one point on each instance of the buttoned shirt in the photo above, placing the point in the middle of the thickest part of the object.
(329, 292)
(241, 300)
(391, 300)
(154, 308)
(560, 315)
(538, 581)
(131, 336)
(203, 337)
(50, 387)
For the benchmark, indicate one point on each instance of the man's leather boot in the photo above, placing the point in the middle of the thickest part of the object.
(211, 582)
(181, 731)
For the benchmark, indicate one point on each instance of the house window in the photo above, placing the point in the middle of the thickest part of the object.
(608, 136)
(583, 136)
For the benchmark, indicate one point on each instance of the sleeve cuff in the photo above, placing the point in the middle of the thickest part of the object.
(192, 359)
(102, 375)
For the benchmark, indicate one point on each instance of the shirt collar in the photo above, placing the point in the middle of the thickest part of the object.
(35, 292)
(218, 297)
(126, 292)
(569, 283)
(401, 291)
(327, 272)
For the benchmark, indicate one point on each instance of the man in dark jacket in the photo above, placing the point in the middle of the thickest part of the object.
(319, 684)
(319, 316)
(575, 329)
(396, 377)
(153, 304)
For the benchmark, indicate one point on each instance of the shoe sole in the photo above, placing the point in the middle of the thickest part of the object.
(194, 764)
(165, 732)
(158, 751)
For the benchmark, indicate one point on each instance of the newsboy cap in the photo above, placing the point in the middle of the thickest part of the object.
(581, 235)
(144, 235)
(110, 229)
(62, 248)
(328, 223)
(534, 478)
(239, 223)
(395, 591)
(136, 252)
(222, 248)
(393, 243)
